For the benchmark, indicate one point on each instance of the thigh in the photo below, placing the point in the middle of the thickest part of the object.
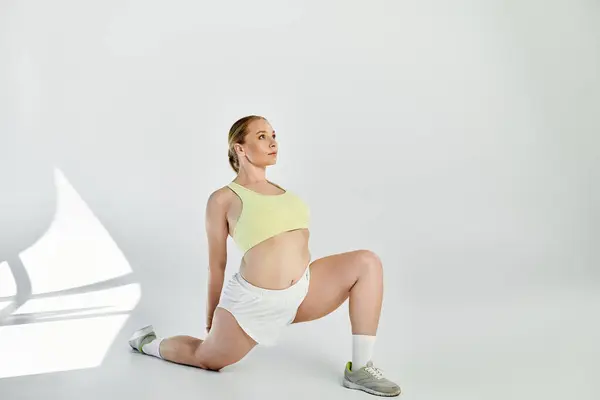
(226, 343)
(331, 279)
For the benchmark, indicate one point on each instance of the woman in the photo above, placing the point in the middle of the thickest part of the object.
(271, 289)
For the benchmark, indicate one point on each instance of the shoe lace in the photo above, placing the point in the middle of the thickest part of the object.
(376, 372)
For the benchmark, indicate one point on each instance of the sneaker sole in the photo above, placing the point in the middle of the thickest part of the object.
(140, 333)
(354, 386)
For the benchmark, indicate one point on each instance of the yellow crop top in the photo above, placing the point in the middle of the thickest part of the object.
(264, 216)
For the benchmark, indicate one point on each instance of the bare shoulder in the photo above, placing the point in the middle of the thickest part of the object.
(217, 226)
(217, 208)
(220, 198)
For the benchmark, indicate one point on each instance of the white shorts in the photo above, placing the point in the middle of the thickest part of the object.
(263, 313)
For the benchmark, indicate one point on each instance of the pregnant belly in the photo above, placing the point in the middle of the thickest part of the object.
(278, 262)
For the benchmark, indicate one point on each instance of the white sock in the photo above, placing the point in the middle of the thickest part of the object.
(153, 348)
(362, 350)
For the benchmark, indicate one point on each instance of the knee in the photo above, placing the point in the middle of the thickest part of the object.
(371, 261)
(210, 365)
(210, 361)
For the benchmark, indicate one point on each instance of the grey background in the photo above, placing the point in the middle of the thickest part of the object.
(457, 140)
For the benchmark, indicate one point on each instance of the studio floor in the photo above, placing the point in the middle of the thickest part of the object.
(540, 345)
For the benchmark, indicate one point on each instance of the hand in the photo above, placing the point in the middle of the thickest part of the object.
(208, 329)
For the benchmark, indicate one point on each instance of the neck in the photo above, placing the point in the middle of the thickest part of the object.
(250, 177)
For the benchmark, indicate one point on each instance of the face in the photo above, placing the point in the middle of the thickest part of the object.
(260, 143)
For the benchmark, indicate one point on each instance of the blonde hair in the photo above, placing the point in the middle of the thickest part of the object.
(237, 134)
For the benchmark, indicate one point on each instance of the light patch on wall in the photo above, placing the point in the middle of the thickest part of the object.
(7, 283)
(82, 293)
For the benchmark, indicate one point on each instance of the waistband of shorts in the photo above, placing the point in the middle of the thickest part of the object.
(274, 292)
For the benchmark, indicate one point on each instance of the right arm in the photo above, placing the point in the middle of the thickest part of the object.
(216, 232)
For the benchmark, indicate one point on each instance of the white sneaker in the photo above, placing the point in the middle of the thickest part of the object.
(142, 337)
(369, 379)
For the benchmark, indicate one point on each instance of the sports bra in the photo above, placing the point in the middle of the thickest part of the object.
(264, 216)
